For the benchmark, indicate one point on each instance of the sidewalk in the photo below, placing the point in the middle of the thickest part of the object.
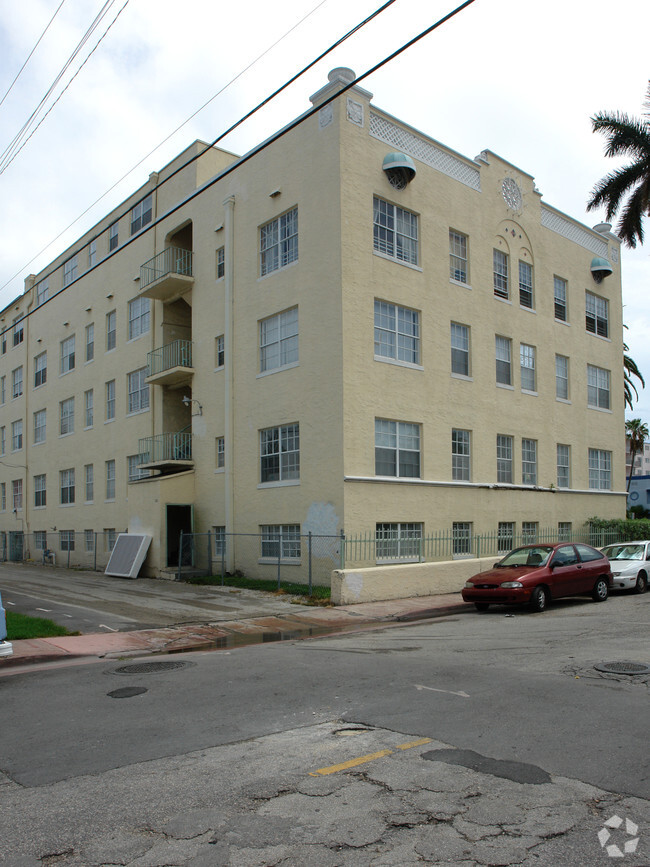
(306, 622)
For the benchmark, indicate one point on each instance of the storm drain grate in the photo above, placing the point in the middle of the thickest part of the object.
(150, 667)
(630, 668)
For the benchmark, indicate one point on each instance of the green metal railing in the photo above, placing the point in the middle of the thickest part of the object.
(166, 447)
(175, 354)
(172, 260)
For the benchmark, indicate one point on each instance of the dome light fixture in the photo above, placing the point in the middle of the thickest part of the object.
(400, 169)
(600, 268)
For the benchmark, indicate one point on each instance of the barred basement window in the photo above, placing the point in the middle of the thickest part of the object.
(398, 541)
(280, 540)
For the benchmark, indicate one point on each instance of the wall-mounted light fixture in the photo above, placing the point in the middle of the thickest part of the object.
(188, 401)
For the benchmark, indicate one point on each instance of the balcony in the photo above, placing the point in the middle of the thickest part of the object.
(171, 364)
(168, 275)
(169, 452)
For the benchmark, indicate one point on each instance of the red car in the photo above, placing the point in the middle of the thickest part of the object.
(535, 574)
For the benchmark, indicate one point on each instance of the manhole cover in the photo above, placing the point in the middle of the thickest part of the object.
(127, 692)
(630, 668)
(150, 667)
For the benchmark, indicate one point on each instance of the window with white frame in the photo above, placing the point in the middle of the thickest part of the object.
(40, 369)
(66, 478)
(40, 424)
(279, 242)
(600, 469)
(89, 483)
(221, 263)
(40, 540)
(67, 416)
(598, 387)
(90, 341)
(529, 532)
(560, 298)
(280, 453)
(503, 360)
(17, 382)
(460, 346)
(563, 466)
(66, 540)
(89, 407)
(141, 214)
(113, 236)
(19, 330)
(395, 232)
(597, 314)
(564, 531)
(500, 274)
(92, 253)
(397, 333)
(67, 354)
(221, 453)
(139, 317)
(458, 256)
(3, 496)
(505, 536)
(17, 435)
(110, 479)
(279, 340)
(460, 455)
(219, 535)
(529, 462)
(561, 377)
(70, 270)
(111, 330)
(398, 541)
(527, 366)
(3, 389)
(109, 538)
(40, 492)
(461, 535)
(17, 494)
(134, 467)
(3, 439)
(89, 541)
(138, 390)
(504, 459)
(110, 400)
(397, 449)
(42, 291)
(219, 351)
(280, 541)
(526, 285)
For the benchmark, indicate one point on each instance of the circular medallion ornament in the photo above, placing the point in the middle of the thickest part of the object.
(511, 194)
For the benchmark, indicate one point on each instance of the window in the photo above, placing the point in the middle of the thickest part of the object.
(17, 382)
(280, 453)
(597, 314)
(279, 242)
(3, 389)
(500, 274)
(221, 453)
(461, 534)
(279, 340)
(460, 349)
(528, 462)
(66, 540)
(395, 232)
(138, 390)
(503, 358)
(400, 541)
(529, 532)
(281, 541)
(40, 369)
(89, 541)
(40, 496)
(42, 291)
(67, 355)
(17, 435)
(67, 416)
(67, 486)
(563, 466)
(597, 387)
(89, 483)
(564, 531)
(3, 439)
(90, 341)
(111, 330)
(40, 540)
(526, 285)
(219, 351)
(92, 253)
(110, 400)
(600, 469)
(139, 317)
(219, 541)
(113, 236)
(17, 494)
(397, 333)
(460, 455)
(397, 449)
(110, 480)
(561, 377)
(39, 426)
(19, 332)
(504, 459)
(141, 214)
(70, 270)
(89, 402)
(109, 538)
(457, 256)
(527, 365)
(134, 467)
(3, 496)
(505, 536)
(221, 262)
(560, 298)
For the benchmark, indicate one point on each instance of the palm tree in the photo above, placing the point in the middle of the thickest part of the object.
(630, 369)
(636, 433)
(626, 137)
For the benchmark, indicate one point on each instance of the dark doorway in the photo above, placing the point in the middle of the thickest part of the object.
(16, 547)
(179, 518)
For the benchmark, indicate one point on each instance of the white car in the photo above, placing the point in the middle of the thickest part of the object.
(630, 562)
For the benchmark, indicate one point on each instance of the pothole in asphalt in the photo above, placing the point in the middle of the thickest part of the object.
(348, 732)
(151, 667)
(623, 667)
(127, 692)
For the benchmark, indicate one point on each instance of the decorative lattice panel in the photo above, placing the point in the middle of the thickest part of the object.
(557, 223)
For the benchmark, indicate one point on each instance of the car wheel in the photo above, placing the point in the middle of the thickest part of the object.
(482, 606)
(600, 591)
(539, 599)
(641, 583)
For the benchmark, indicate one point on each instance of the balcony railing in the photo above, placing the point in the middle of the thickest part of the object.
(165, 448)
(170, 356)
(172, 261)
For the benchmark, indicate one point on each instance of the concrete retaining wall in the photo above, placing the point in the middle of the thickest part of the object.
(404, 580)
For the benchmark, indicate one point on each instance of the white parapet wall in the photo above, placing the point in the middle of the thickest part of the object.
(405, 580)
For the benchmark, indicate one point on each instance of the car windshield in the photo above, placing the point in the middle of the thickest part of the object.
(536, 556)
(624, 552)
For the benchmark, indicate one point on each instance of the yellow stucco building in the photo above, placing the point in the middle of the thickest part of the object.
(352, 328)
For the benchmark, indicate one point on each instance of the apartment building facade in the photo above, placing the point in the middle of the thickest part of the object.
(352, 328)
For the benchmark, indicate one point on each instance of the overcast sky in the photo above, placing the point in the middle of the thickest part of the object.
(514, 76)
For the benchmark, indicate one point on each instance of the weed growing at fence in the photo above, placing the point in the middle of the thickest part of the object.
(22, 626)
(319, 594)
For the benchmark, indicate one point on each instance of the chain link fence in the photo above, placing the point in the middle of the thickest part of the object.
(72, 549)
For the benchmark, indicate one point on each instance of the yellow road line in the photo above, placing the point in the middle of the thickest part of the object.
(419, 743)
(361, 760)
